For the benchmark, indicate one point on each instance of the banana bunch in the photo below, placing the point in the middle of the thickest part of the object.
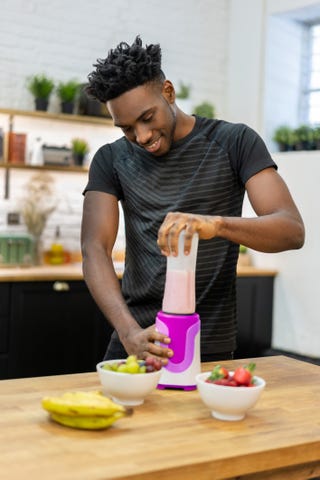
(86, 410)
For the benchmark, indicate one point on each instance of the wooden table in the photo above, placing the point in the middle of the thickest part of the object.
(171, 436)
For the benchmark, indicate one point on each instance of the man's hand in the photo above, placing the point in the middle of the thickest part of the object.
(168, 236)
(141, 342)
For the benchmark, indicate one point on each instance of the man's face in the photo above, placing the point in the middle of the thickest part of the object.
(146, 116)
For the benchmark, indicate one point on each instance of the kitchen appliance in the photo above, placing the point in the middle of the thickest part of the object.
(178, 319)
(53, 155)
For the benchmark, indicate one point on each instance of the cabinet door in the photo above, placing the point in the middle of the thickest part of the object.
(55, 328)
(4, 328)
(255, 306)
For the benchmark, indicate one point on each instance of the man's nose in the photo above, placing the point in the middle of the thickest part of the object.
(143, 134)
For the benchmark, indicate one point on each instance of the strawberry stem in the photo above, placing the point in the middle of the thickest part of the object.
(251, 367)
(216, 373)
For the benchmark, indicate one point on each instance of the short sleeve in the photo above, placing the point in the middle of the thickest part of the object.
(248, 153)
(102, 175)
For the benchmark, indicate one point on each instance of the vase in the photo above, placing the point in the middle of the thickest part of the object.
(37, 250)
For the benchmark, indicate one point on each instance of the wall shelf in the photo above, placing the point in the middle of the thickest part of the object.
(60, 168)
(62, 117)
(46, 116)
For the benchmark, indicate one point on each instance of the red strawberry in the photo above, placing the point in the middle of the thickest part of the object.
(243, 375)
(217, 373)
(227, 382)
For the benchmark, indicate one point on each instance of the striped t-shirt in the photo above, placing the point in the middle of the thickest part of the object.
(203, 173)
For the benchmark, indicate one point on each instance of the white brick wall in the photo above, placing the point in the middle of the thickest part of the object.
(64, 40)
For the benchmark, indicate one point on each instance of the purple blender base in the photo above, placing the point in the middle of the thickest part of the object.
(182, 329)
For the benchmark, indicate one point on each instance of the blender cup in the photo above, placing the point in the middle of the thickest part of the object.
(179, 292)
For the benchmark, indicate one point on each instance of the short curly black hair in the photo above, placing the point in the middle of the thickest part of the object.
(125, 67)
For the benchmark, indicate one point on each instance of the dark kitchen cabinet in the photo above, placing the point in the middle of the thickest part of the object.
(254, 308)
(53, 328)
(4, 327)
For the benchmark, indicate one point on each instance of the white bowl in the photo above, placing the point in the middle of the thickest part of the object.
(228, 403)
(127, 388)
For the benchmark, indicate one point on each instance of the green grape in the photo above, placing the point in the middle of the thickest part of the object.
(131, 358)
(122, 368)
(133, 367)
(107, 366)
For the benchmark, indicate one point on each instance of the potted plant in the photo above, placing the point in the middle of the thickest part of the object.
(304, 136)
(285, 137)
(88, 105)
(183, 97)
(184, 91)
(79, 148)
(204, 109)
(41, 88)
(316, 137)
(68, 92)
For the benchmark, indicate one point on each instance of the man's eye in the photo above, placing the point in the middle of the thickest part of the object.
(147, 119)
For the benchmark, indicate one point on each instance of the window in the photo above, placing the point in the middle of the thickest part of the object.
(311, 94)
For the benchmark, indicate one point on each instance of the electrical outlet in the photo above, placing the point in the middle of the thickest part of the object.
(13, 218)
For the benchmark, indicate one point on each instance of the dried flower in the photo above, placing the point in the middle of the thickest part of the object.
(39, 203)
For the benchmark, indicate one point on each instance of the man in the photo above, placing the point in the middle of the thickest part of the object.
(171, 172)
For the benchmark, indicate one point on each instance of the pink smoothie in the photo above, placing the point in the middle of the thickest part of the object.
(179, 292)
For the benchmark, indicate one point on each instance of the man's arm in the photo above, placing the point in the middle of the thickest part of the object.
(99, 229)
(277, 227)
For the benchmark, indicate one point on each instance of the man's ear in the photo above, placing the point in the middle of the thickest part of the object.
(168, 91)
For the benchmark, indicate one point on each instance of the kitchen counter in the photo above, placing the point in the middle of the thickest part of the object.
(171, 436)
(74, 272)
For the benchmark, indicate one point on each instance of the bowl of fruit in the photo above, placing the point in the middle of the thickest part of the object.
(230, 394)
(129, 381)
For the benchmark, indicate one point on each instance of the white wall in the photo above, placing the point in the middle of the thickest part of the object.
(245, 85)
(63, 39)
(296, 325)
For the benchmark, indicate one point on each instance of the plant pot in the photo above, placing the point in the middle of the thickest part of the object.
(41, 104)
(78, 159)
(282, 147)
(67, 107)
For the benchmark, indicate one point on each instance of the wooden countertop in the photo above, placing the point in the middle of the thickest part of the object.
(171, 436)
(74, 272)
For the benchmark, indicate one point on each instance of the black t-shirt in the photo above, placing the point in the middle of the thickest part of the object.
(203, 173)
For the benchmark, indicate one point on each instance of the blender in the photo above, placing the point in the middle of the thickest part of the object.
(178, 319)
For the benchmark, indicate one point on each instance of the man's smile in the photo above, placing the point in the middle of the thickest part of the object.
(153, 147)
